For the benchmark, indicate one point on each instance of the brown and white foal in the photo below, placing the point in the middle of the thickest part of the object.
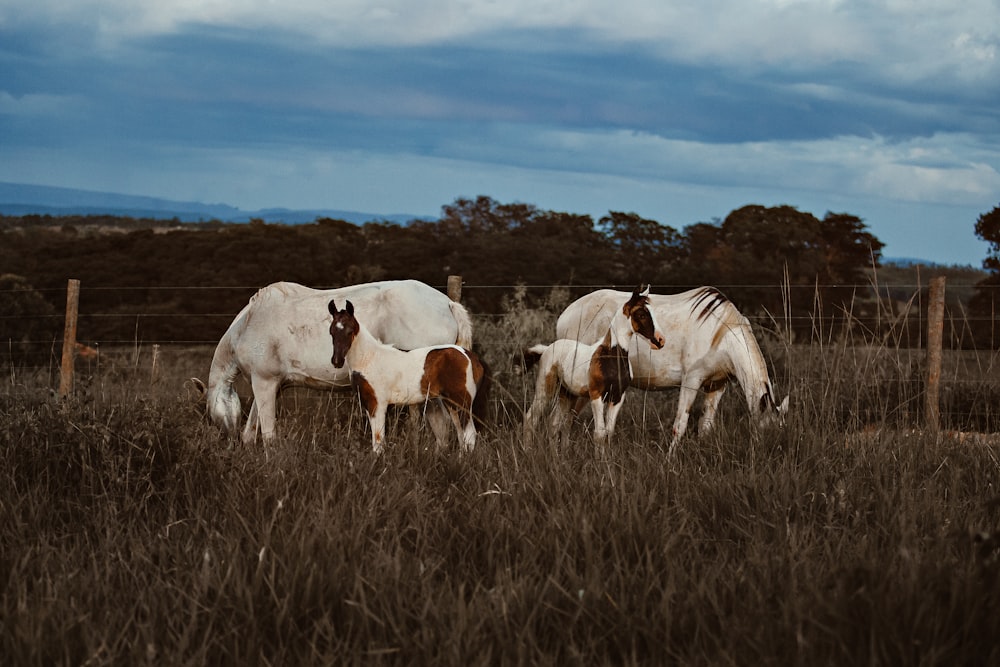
(600, 371)
(384, 375)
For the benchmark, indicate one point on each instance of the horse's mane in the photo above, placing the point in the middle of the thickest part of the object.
(733, 333)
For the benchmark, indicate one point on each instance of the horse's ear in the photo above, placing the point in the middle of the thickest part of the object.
(332, 307)
(349, 308)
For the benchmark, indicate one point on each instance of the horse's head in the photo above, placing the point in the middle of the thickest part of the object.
(771, 412)
(640, 314)
(343, 329)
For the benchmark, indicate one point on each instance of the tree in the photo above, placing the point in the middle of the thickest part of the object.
(483, 214)
(703, 251)
(557, 247)
(27, 318)
(646, 250)
(985, 303)
(848, 249)
(988, 229)
(757, 248)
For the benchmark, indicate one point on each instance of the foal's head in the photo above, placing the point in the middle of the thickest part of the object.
(343, 329)
(640, 314)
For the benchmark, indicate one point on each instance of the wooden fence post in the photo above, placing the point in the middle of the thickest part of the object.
(69, 338)
(935, 330)
(455, 288)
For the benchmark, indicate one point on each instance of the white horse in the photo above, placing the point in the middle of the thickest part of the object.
(600, 371)
(709, 343)
(384, 376)
(281, 338)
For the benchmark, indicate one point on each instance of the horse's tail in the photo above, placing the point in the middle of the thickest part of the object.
(531, 355)
(221, 399)
(464, 322)
(480, 404)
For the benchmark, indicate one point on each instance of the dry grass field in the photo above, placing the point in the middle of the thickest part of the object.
(133, 532)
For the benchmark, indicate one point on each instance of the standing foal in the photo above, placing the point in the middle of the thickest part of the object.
(383, 376)
(600, 371)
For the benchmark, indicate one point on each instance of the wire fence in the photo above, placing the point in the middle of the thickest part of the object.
(880, 367)
(900, 307)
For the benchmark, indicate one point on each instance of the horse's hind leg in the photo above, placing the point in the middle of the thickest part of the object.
(437, 419)
(539, 404)
(465, 427)
(710, 406)
(415, 416)
(562, 418)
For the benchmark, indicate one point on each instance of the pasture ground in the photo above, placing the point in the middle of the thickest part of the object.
(132, 532)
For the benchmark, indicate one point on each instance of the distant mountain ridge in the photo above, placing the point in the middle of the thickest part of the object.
(25, 199)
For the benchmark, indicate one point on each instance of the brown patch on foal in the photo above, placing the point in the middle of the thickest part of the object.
(365, 392)
(609, 375)
(444, 377)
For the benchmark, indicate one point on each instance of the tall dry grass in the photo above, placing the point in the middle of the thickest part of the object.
(132, 532)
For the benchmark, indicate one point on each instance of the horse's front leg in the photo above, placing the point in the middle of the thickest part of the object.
(252, 426)
(597, 407)
(689, 390)
(612, 417)
(265, 403)
(603, 423)
(376, 420)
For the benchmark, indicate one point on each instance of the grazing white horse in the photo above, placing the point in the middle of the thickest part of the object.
(600, 371)
(281, 338)
(384, 376)
(709, 343)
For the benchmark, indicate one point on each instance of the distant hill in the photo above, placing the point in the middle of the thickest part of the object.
(23, 199)
(907, 261)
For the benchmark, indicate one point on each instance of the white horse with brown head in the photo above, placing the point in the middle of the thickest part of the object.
(708, 344)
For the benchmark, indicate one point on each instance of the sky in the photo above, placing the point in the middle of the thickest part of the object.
(678, 110)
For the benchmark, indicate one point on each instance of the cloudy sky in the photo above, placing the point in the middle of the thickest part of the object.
(678, 110)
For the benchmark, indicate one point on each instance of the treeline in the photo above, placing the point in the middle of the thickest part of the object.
(134, 270)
